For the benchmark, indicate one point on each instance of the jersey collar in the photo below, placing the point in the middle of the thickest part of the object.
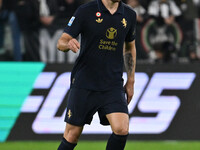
(102, 8)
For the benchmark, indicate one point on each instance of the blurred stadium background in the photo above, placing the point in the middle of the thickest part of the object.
(34, 76)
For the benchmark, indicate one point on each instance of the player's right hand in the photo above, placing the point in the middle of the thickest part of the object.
(74, 45)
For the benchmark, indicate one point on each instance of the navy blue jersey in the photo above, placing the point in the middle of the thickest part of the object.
(100, 63)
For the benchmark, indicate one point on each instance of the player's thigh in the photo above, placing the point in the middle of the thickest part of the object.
(119, 123)
(72, 133)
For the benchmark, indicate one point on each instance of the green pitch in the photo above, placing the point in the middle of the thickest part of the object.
(85, 145)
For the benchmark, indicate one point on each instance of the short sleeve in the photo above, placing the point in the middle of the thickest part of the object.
(75, 24)
(132, 30)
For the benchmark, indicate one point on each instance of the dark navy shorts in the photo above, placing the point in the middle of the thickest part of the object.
(82, 104)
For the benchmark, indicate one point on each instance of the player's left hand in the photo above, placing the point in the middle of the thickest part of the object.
(129, 89)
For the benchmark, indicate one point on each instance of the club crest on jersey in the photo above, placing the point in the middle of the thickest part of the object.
(71, 21)
(124, 22)
(98, 14)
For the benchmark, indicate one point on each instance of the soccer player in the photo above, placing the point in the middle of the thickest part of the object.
(107, 29)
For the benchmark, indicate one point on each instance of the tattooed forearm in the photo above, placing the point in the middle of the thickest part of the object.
(130, 60)
(129, 63)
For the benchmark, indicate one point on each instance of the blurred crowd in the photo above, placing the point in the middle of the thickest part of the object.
(167, 30)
